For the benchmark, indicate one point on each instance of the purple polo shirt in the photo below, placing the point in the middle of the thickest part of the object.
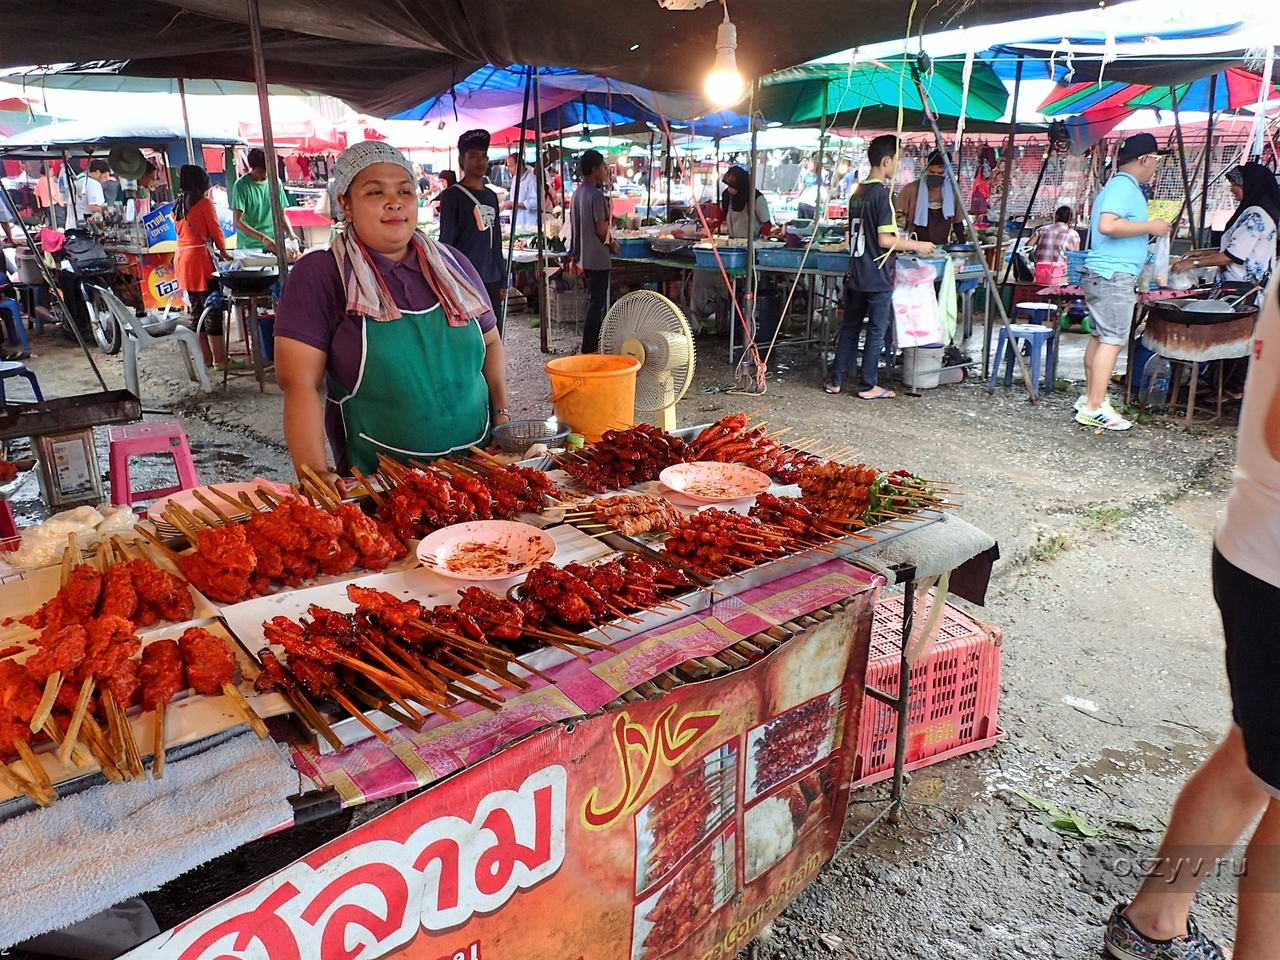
(313, 310)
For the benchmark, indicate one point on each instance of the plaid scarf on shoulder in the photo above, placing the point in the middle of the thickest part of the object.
(368, 296)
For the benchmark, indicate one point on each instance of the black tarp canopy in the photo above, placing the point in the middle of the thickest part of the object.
(382, 56)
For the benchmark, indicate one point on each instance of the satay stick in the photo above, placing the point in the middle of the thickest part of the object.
(66, 564)
(97, 743)
(241, 706)
(373, 703)
(39, 776)
(77, 718)
(132, 755)
(17, 783)
(321, 488)
(368, 485)
(57, 736)
(239, 504)
(115, 735)
(51, 687)
(268, 497)
(356, 712)
(464, 681)
(158, 739)
(218, 512)
(204, 518)
(182, 526)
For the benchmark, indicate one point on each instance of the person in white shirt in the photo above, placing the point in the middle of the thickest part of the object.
(90, 198)
(526, 205)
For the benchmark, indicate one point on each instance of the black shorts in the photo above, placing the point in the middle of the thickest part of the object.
(1248, 607)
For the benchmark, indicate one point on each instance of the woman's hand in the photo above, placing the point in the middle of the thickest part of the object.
(1183, 264)
(332, 481)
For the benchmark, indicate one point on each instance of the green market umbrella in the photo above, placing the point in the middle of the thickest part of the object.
(869, 93)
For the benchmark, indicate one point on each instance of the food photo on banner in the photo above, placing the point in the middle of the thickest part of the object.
(670, 828)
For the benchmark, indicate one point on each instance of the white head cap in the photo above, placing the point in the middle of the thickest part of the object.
(363, 154)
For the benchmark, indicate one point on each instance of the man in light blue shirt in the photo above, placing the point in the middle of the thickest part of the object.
(1118, 250)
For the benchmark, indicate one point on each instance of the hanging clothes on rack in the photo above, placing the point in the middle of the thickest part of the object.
(983, 175)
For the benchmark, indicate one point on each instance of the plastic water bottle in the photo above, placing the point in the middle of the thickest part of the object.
(1156, 375)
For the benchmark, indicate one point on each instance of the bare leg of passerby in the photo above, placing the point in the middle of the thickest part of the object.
(1089, 349)
(1214, 808)
(1100, 366)
(1258, 914)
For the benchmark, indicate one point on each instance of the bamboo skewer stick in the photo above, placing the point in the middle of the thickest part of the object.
(115, 736)
(45, 708)
(383, 707)
(96, 740)
(233, 501)
(14, 781)
(356, 712)
(368, 485)
(39, 776)
(132, 755)
(158, 543)
(242, 707)
(159, 738)
(218, 512)
(77, 718)
(55, 734)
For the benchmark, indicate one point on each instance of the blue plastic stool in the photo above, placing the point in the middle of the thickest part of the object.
(11, 314)
(1041, 313)
(14, 368)
(1031, 333)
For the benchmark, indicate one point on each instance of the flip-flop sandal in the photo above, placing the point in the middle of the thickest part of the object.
(882, 395)
(830, 388)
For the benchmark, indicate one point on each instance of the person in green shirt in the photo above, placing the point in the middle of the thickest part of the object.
(250, 200)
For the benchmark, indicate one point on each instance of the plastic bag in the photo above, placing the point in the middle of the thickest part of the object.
(915, 307)
(1160, 262)
(947, 301)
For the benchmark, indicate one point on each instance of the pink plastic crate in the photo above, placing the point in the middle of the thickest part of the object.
(955, 692)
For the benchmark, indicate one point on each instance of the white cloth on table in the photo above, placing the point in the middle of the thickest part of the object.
(96, 848)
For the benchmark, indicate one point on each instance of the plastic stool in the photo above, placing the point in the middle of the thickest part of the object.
(1041, 313)
(11, 315)
(15, 368)
(156, 436)
(1035, 335)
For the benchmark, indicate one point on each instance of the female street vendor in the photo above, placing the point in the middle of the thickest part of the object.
(1247, 255)
(397, 324)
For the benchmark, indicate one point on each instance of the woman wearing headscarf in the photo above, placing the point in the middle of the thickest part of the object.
(1247, 252)
(397, 325)
(199, 235)
(733, 205)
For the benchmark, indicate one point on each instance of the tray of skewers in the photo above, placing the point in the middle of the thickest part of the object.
(111, 672)
(404, 648)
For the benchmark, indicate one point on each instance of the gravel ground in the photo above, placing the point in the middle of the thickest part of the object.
(1102, 596)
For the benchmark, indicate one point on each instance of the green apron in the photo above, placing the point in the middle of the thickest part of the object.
(420, 393)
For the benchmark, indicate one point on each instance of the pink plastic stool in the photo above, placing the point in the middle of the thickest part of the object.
(10, 538)
(155, 436)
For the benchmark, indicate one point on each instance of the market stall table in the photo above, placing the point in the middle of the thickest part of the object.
(747, 697)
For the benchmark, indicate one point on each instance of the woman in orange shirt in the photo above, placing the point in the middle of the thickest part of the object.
(198, 230)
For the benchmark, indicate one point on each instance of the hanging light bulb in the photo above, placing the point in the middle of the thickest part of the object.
(724, 83)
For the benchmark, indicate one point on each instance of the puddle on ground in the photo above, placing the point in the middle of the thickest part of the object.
(1113, 762)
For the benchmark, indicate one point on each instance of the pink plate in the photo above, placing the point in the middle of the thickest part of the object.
(710, 482)
(486, 550)
(187, 499)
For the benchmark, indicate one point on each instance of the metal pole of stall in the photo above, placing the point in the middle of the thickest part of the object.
(648, 182)
(992, 289)
(542, 192)
(822, 144)
(1182, 165)
(988, 275)
(750, 295)
(1203, 240)
(268, 140)
(515, 199)
(186, 121)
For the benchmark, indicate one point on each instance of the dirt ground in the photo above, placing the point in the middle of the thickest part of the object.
(1102, 594)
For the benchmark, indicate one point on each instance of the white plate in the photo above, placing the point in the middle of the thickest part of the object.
(710, 482)
(486, 550)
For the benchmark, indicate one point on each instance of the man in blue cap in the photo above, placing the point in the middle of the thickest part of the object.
(1117, 253)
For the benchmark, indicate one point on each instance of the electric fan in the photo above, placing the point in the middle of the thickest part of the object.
(650, 328)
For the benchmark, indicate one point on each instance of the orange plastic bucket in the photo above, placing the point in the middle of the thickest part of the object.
(594, 392)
